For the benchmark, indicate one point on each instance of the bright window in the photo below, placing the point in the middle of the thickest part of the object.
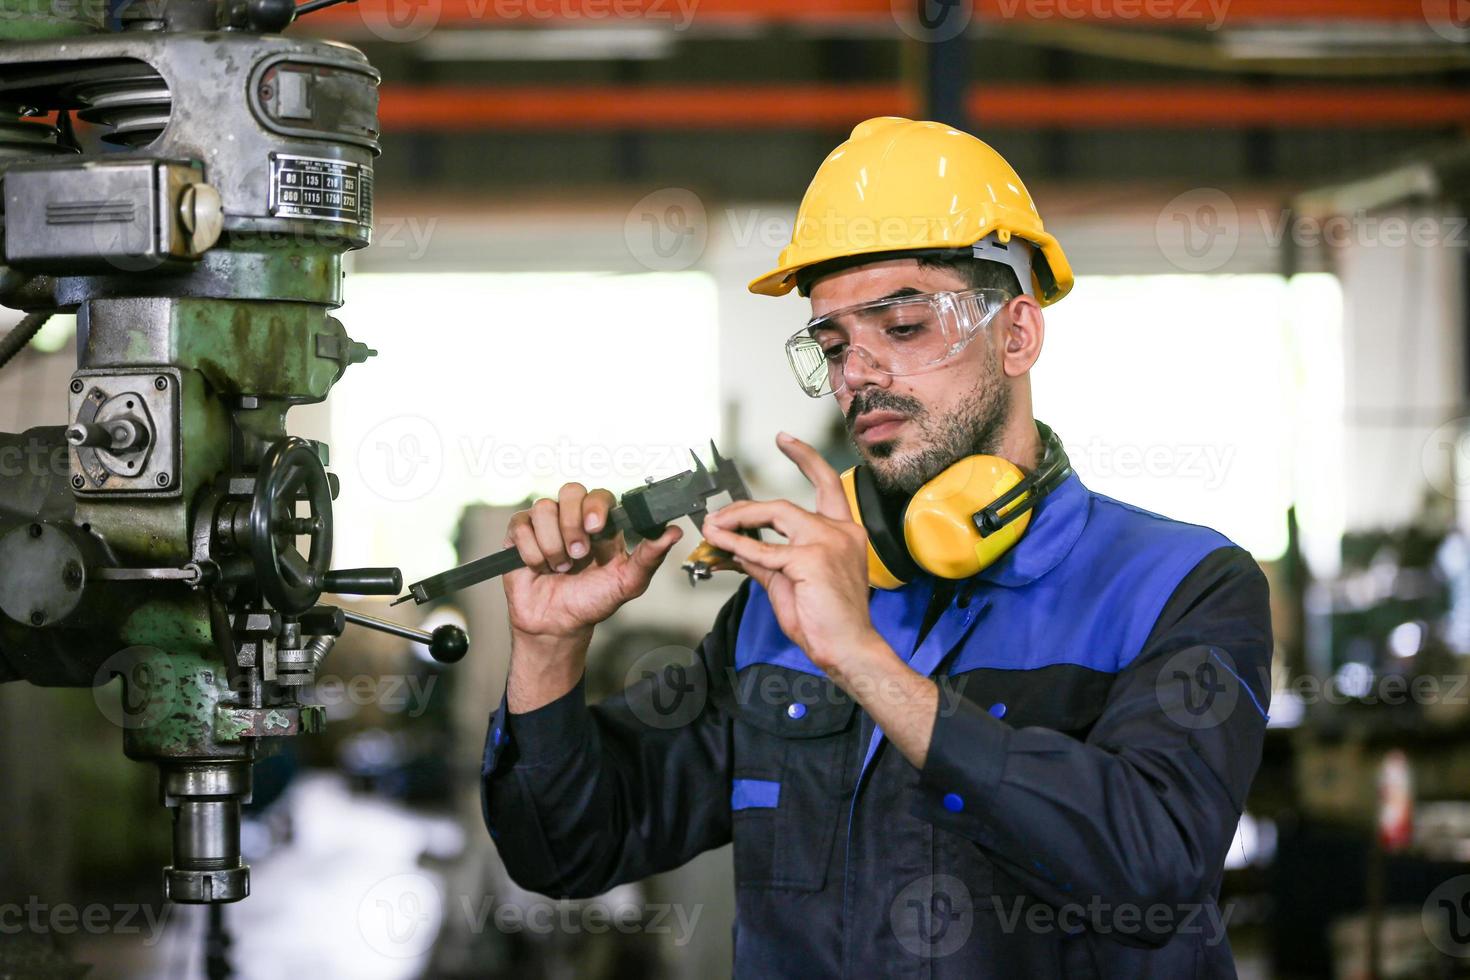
(1210, 399)
(493, 387)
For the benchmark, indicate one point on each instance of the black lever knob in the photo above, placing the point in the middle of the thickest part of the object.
(363, 581)
(449, 644)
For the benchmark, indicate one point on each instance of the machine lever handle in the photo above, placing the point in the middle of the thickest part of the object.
(448, 644)
(363, 581)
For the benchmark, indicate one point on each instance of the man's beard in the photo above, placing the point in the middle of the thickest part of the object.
(975, 427)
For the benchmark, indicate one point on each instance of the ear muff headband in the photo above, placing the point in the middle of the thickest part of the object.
(958, 523)
(1055, 467)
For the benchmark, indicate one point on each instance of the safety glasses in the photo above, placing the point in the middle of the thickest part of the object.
(898, 336)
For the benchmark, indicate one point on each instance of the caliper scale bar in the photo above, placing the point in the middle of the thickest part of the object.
(643, 512)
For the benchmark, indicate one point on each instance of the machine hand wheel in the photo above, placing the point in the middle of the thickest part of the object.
(291, 471)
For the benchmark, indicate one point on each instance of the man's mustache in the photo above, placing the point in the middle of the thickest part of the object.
(885, 401)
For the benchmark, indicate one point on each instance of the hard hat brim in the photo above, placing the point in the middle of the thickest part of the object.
(1052, 283)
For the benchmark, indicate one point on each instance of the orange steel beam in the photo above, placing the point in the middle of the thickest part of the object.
(652, 107)
(1199, 106)
(502, 13)
(473, 107)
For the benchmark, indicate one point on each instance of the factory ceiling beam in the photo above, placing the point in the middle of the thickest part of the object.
(1096, 106)
(684, 13)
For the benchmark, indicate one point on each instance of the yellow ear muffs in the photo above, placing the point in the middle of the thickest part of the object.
(888, 557)
(939, 522)
(936, 530)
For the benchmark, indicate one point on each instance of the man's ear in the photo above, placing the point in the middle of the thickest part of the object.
(1024, 331)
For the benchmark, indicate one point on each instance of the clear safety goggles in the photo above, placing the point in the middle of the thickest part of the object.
(899, 336)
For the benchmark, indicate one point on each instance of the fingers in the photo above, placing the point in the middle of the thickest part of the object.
(570, 503)
(596, 508)
(520, 536)
(558, 533)
(831, 499)
(797, 525)
(647, 557)
(728, 540)
(752, 553)
(546, 525)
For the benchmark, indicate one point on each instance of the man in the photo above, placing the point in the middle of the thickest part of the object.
(1033, 768)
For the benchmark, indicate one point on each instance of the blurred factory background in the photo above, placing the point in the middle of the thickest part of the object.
(1265, 205)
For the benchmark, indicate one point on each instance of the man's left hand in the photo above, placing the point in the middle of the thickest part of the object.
(818, 584)
(817, 579)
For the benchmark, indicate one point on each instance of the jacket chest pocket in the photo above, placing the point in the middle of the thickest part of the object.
(793, 746)
(1062, 697)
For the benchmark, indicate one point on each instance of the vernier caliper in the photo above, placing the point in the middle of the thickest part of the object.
(643, 512)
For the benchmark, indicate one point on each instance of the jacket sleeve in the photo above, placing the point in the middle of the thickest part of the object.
(1136, 819)
(581, 799)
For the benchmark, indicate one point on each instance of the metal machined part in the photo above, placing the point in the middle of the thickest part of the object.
(124, 434)
(205, 799)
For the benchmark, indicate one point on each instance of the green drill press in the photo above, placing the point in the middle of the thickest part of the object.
(171, 531)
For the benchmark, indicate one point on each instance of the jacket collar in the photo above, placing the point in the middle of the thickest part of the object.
(1056, 524)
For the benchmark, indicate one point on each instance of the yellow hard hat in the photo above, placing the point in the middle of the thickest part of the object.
(898, 185)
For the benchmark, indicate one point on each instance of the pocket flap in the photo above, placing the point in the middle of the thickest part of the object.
(790, 703)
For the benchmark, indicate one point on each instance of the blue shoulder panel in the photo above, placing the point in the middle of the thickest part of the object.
(1096, 607)
(896, 616)
(1085, 586)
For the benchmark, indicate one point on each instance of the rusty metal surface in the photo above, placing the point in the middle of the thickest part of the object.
(232, 724)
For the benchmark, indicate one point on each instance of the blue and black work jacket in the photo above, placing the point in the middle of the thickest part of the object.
(1103, 698)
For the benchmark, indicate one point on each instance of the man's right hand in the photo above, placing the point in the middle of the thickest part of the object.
(572, 582)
